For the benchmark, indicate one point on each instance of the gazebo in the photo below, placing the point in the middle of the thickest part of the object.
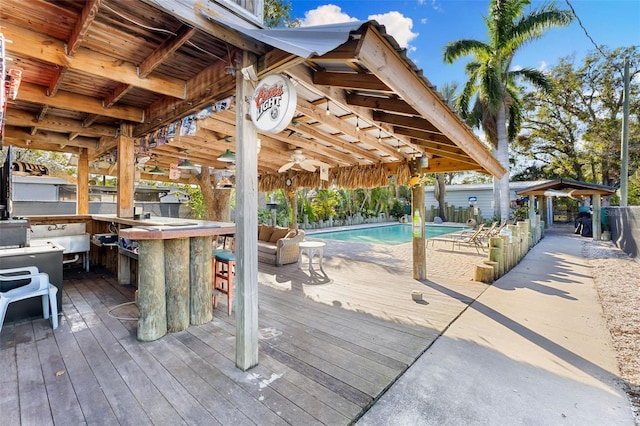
(125, 86)
(566, 188)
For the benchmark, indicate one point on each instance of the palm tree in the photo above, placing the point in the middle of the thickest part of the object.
(497, 107)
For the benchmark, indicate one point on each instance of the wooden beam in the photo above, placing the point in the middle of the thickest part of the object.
(73, 102)
(341, 125)
(50, 138)
(379, 57)
(351, 81)
(80, 30)
(426, 136)
(116, 94)
(54, 84)
(380, 103)
(416, 123)
(212, 84)
(20, 118)
(47, 49)
(276, 61)
(169, 46)
(304, 76)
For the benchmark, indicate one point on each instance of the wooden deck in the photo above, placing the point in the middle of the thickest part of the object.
(330, 343)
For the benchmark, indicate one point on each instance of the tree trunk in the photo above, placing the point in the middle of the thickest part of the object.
(291, 194)
(502, 155)
(216, 200)
(441, 192)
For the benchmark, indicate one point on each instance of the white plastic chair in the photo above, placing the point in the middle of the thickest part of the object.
(38, 285)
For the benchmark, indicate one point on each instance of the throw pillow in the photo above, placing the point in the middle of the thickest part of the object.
(264, 232)
(278, 233)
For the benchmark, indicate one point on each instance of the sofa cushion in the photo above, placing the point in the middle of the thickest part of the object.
(269, 248)
(278, 232)
(264, 232)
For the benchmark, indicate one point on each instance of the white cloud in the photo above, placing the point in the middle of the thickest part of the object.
(543, 66)
(516, 68)
(424, 20)
(326, 14)
(399, 26)
(396, 24)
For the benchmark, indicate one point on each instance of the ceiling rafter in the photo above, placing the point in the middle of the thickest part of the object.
(88, 62)
(350, 81)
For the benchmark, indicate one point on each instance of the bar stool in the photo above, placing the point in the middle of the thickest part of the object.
(223, 274)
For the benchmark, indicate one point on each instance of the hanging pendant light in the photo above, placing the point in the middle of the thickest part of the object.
(185, 164)
(228, 156)
(156, 170)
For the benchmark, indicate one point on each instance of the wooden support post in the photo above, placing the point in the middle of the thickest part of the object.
(247, 224)
(176, 266)
(126, 171)
(496, 254)
(124, 269)
(152, 307)
(201, 302)
(82, 188)
(596, 223)
(419, 242)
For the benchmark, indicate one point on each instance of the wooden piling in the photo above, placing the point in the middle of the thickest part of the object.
(176, 266)
(152, 322)
(201, 302)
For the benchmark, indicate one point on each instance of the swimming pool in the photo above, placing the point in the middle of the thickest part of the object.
(387, 235)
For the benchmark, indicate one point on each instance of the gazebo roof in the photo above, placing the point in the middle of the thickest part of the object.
(567, 188)
(88, 68)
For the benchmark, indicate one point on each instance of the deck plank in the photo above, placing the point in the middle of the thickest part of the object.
(329, 345)
(56, 379)
(34, 405)
(93, 402)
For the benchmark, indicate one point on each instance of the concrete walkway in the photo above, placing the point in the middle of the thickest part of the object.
(532, 349)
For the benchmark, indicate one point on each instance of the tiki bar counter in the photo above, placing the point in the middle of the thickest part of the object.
(169, 259)
(174, 270)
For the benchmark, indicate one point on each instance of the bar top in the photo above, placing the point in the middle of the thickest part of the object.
(164, 228)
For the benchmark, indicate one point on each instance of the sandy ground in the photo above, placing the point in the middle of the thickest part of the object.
(617, 280)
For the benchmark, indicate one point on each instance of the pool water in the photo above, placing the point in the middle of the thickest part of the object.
(387, 235)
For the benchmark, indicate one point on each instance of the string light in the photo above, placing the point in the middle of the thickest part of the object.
(357, 124)
(379, 135)
(327, 111)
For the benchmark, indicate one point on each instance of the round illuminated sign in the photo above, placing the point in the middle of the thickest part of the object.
(273, 104)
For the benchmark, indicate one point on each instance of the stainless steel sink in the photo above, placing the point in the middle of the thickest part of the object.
(71, 236)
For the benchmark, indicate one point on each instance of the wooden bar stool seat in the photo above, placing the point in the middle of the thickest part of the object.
(224, 262)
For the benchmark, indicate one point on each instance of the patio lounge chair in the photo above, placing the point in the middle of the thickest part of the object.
(473, 240)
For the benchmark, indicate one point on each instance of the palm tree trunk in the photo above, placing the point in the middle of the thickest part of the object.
(502, 155)
(440, 194)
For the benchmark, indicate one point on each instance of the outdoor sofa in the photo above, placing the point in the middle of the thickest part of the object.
(278, 245)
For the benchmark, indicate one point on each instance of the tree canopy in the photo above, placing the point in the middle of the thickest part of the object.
(492, 83)
(573, 130)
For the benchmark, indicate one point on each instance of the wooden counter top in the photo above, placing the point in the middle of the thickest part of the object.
(164, 228)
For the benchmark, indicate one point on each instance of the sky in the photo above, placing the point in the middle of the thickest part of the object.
(424, 27)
